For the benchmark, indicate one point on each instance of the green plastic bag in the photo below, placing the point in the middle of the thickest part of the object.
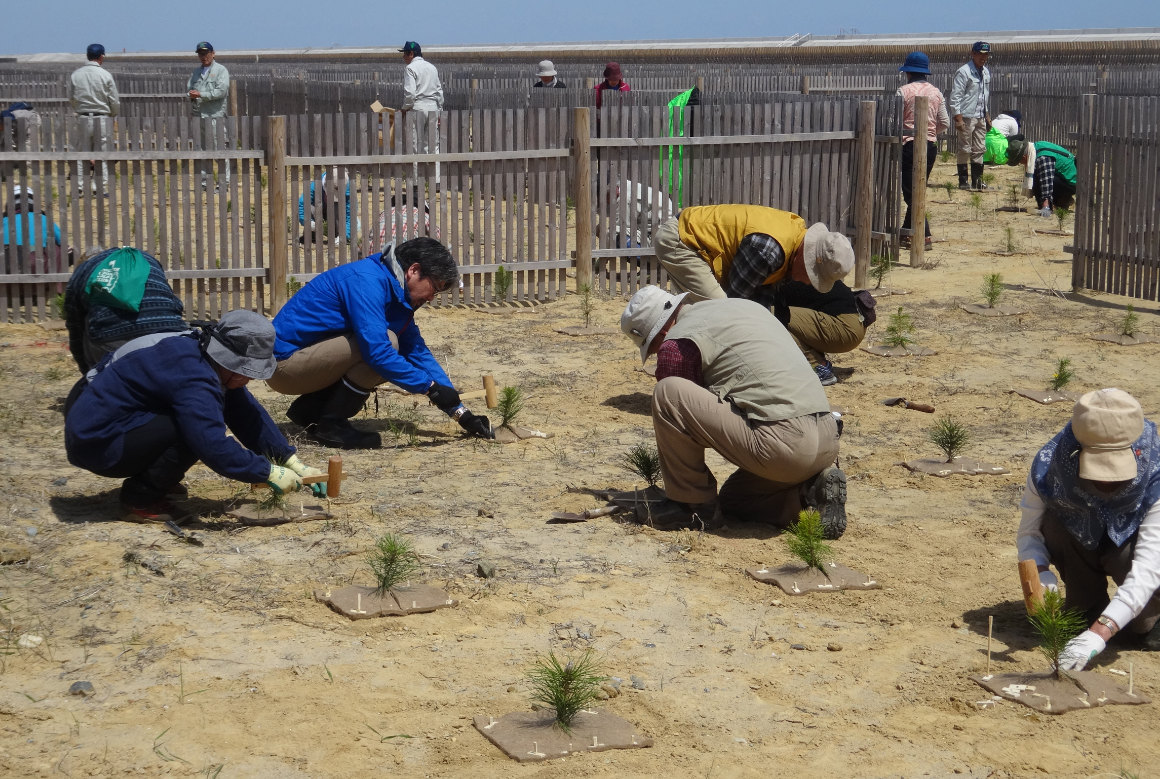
(119, 280)
(996, 152)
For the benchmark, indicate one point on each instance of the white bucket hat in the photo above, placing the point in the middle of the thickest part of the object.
(829, 257)
(1106, 423)
(646, 314)
(546, 69)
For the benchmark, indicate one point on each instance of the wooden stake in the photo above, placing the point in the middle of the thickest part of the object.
(864, 200)
(334, 476)
(990, 630)
(489, 391)
(277, 240)
(1032, 589)
(582, 157)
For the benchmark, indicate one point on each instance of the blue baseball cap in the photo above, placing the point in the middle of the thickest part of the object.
(203, 46)
(981, 47)
(95, 51)
(410, 47)
(916, 62)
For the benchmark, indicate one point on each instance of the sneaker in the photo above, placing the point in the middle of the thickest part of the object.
(826, 492)
(153, 514)
(929, 244)
(825, 373)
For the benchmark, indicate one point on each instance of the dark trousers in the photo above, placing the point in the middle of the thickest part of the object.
(1085, 573)
(1063, 192)
(908, 175)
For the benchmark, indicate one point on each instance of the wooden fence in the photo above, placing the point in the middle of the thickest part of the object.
(1117, 218)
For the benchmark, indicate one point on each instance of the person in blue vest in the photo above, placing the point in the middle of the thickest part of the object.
(1049, 173)
(150, 410)
(1091, 508)
(353, 328)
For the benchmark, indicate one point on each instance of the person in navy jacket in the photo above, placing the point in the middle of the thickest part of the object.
(353, 328)
(150, 410)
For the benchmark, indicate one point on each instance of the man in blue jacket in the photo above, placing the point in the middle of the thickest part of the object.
(351, 329)
(162, 402)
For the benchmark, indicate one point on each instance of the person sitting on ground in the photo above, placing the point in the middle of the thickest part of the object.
(1006, 125)
(1049, 173)
(730, 378)
(150, 410)
(351, 329)
(917, 68)
(101, 324)
(613, 81)
(547, 75)
(1091, 507)
(741, 251)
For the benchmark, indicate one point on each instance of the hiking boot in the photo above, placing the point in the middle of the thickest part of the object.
(963, 177)
(977, 176)
(307, 409)
(157, 513)
(825, 373)
(826, 492)
(334, 428)
(675, 515)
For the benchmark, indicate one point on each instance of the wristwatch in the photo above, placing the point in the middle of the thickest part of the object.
(1109, 623)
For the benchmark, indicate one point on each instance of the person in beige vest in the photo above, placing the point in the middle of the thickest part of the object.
(731, 378)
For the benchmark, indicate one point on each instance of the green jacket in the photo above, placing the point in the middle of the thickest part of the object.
(1064, 160)
(214, 87)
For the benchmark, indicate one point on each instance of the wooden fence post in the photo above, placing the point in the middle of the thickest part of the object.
(582, 156)
(864, 198)
(233, 97)
(1085, 183)
(918, 187)
(701, 86)
(276, 219)
(805, 85)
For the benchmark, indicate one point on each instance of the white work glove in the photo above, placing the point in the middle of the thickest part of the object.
(283, 480)
(1080, 650)
(303, 470)
(1045, 212)
(1048, 581)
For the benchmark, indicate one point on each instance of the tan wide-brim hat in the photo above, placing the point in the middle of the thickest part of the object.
(646, 314)
(828, 256)
(1106, 423)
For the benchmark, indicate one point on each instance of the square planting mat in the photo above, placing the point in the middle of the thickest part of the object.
(249, 514)
(513, 433)
(899, 351)
(365, 603)
(1043, 692)
(799, 579)
(530, 737)
(960, 466)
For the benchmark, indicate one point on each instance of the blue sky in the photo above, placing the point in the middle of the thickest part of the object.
(70, 25)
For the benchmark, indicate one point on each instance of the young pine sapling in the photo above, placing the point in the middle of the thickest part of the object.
(1014, 194)
(992, 288)
(503, 283)
(1063, 374)
(58, 306)
(899, 328)
(392, 560)
(587, 304)
(1055, 626)
(1061, 217)
(1130, 323)
(1010, 245)
(566, 688)
(509, 405)
(976, 204)
(949, 435)
(644, 461)
(805, 540)
(945, 155)
(880, 267)
(989, 179)
(950, 188)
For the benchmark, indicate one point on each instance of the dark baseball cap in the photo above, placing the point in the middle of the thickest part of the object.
(410, 47)
(981, 47)
(95, 51)
(203, 46)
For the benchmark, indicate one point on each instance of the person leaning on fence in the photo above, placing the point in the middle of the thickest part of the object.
(547, 76)
(150, 410)
(1091, 507)
(1049, 173)
(730, 378)
(423, 99)
(209, 90)
(92, 93)
(613, 82)
(353, 328)
(970, 98)
(99, 321)
(917, 68)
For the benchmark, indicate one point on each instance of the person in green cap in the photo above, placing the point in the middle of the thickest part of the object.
(1049, 173)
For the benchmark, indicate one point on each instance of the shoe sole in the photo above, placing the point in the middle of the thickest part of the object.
(828, 382)
(831, 502)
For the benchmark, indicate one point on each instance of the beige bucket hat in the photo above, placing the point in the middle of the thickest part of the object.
(1106, 423)
(829, 257)
(546, 69)
(646, 314)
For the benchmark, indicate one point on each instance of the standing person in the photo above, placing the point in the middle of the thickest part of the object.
(970, 99)
(613, 81)
(730, 378)
(92, 93)
(1091, 507)
(547, 76)
(1049, 173)
(423, 98)
(917, 68)
(209, 89)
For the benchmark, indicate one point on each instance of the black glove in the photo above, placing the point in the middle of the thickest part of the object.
(446, 398)
(480, 426)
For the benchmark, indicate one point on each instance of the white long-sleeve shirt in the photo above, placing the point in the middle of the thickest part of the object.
(1006, 125)
(421, 88)
(91, 90)
(1142, 580)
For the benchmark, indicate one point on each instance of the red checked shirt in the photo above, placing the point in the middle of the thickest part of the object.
(680, 358)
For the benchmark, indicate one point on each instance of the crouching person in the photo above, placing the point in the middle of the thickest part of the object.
(163, 402)
(1091, 508)
(730, 378)
(353, 328)
(824, 322)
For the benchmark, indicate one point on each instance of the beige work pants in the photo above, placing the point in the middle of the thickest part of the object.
(817, 333)
(688, 270)
(317, 367)
(972, 141)
(773, 457)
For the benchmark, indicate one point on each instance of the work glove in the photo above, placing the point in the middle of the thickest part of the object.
(446, 398)
(283, 480)
(303, 470)
(1080, 650)
(1045, 212)
(1048, 581)
(480, 426)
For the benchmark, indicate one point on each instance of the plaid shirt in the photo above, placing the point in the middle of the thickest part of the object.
(680, 358)
(1045, 179)
(758, 257)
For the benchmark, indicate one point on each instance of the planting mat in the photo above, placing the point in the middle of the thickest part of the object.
(530, 737)
(885, 292)
(971, 308)
(1125, 340)
(899, 351)
(798, 579)
(512, 434)
(1043, 692)
(248, 514)
(960, 466)
(1047, 397)
(365, 603)
(581, 330)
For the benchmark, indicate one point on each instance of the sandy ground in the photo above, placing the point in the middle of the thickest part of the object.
(224, 666)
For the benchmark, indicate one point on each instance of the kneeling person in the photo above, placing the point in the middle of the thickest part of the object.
(162, 402)
(730, 378)
(821, 322)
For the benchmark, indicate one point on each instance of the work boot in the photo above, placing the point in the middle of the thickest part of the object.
(963, 177)
(306, 409)
(977, 176)
(334, 427)
(826, 493)
(675, 515)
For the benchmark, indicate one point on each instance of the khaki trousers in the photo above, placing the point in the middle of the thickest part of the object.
(773, 457)
(326, 362)
(817, 333)
(688, 270)
(972, 141)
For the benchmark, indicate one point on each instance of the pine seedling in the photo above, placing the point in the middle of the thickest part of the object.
(273, 502)
(976, 204)
(1014, 194)
(992, 288)
(503, 282)
(509, 404)
(1010, 245)
(292, 287)
(805, 540)
(880, 267)
(58, 306)
(945, 155)
(1063, 374)
(566, 688)
(950, 188)
(899, 329)
(393, 560)
(1131, 322)
(644, 461)
(949, 435)
(1061, 217)
(1055, 626)
(587, 304)
(988, 179)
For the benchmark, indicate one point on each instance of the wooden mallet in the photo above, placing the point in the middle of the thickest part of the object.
(333, 478)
